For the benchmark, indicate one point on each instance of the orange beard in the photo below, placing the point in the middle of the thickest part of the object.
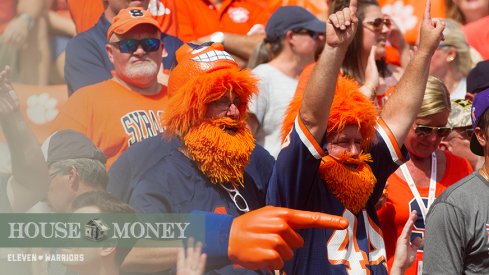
(221, 156)
(351, 187)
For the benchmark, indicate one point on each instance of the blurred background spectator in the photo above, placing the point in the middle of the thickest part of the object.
(294, 37)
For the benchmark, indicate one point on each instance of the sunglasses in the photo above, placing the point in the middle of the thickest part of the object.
(378, 23)
(131, 45)
(314, 35)
(423, 130)
(237, 198)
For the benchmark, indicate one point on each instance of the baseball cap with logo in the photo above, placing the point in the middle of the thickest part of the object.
(479, 107)
(128, 18)
(460, 114)
(290, 18)
(69, 144)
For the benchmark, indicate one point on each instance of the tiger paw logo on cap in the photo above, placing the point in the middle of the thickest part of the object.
(239, 15)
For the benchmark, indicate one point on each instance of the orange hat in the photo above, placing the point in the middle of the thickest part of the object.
(128, 18)
(349, 106)
(203, 75)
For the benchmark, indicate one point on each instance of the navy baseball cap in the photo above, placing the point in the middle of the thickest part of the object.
(479, 107)
(69, 144)
(292, 17)
(477, 79)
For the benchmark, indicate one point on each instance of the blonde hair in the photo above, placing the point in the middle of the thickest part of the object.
(455, 37)
(436, 98)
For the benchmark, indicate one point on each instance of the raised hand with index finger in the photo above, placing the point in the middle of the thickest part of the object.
(431, 32)
(341, 26)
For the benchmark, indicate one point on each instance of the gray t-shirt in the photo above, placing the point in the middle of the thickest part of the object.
(457, 229)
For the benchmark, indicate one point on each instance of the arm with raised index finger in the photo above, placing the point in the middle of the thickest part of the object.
(29, 181)
(400, 110)
(319, 92)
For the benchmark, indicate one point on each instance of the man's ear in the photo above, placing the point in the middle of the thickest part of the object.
(481, 137)
(109, 49)
(74, 178)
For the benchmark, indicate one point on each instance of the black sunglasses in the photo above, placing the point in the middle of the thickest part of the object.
(379, 23)
(423, 130)
(131, 45)
(314, 35)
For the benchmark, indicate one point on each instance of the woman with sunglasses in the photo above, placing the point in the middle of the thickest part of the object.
(376, 77)
(416, 184)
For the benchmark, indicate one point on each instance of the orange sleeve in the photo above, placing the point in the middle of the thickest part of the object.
(7, 13)
(85, 13)
(185, 28)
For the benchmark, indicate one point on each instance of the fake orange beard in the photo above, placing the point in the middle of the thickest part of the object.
(220, 155)
(352, 187)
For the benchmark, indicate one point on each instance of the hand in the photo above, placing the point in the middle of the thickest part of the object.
(194, 263)
(9, 103)
(371, 73)
(383, 199)
(431, 32)
(16, 32)
(341, 26)
(264, 238)
(395, 36)
(405, 250)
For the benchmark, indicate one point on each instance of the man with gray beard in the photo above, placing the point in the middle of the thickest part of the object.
(125, 109)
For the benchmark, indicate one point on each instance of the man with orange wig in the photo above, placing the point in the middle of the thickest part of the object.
(338, 153)
(206, 160)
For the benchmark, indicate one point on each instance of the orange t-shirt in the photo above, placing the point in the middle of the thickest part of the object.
(198, 18)
(112, 116)
(400, 203)
(408, 14)
(7, 12)
(86, 13)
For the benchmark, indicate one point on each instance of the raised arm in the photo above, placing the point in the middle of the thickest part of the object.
(30, 180)
(319, 92)
(402, 107)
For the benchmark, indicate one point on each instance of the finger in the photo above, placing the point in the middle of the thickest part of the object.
(181, 259)
(190, 248)
(347, 15)
(341, 20)
(196, 253)
(427, 10)
(202, 261)
(292, 238)
(279, 245)
(333, 19)
(353, 6)
(408, 226)
(417, 243)
(298, 219)
(371, 56)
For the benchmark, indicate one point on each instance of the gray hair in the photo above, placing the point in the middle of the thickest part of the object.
(91, 171)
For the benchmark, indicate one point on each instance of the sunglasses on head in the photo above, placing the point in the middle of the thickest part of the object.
(423, 130)
(314, 35)
(378, 23)
(131, 45)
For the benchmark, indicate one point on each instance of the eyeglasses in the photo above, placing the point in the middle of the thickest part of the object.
(225, 103)
(314, 35)
(237, 198)
(423, 130)
(131, 45)
(378, 24)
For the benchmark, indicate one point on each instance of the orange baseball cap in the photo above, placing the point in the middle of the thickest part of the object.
(128, 18)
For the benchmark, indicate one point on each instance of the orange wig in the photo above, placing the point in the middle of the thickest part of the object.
(349, 107)
(202, 76)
